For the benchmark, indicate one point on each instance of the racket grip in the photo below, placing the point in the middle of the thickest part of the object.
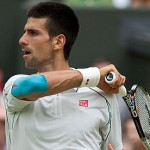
(110, 77)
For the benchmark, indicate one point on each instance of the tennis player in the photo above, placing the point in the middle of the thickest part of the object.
(59, 108)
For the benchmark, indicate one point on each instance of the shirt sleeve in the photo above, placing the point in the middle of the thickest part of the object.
(13, 104)
(115, 137)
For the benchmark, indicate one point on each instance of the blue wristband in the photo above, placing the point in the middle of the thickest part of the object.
(29, 85)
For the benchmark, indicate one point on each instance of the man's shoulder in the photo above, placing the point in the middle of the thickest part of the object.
(13, 78)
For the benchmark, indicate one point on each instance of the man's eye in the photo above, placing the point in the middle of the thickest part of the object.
(33, 33)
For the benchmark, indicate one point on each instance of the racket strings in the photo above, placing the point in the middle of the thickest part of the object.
(143, 108)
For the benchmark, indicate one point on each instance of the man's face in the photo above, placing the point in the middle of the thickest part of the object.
(36, 44)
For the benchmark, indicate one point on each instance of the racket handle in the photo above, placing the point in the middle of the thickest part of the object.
(110, 77)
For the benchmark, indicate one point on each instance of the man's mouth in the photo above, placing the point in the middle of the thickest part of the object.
(25, 52)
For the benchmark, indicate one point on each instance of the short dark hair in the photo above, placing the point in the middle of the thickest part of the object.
(61, 19)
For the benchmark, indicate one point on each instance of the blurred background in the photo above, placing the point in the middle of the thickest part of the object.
(115, 31)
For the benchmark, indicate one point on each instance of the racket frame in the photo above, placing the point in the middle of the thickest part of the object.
(130, 102)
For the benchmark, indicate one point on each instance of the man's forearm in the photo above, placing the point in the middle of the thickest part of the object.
(59, 81)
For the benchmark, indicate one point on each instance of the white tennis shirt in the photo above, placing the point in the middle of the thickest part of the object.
(78, 119)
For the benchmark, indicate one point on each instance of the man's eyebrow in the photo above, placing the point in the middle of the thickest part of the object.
(30, 29)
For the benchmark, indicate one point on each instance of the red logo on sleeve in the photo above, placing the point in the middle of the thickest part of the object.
(83, 103)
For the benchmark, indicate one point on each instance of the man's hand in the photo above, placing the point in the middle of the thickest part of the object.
(112, 88)
(110, 147)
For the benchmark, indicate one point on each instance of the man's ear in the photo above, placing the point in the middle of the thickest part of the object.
(59, 41)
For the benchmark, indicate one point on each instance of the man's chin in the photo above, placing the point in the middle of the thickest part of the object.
(29, 66)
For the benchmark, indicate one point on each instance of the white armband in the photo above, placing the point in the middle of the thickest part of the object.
(91, 77)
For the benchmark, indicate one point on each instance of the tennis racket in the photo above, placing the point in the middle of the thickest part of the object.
(138, 103)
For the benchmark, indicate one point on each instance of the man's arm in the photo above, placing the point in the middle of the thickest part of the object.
(59, 81)
(110, 147)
